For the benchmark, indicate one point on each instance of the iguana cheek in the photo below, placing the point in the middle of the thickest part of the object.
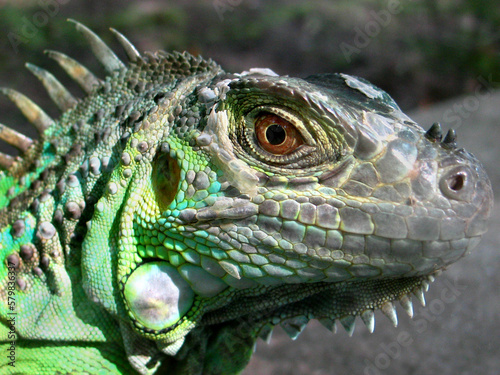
(157, 295)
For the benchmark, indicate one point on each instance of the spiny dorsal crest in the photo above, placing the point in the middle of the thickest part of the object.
(160, 64)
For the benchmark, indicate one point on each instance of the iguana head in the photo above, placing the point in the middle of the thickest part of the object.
(230, 203)
(269, 199)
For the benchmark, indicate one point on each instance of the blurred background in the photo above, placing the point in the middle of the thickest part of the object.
(421, 52)
(439, 59)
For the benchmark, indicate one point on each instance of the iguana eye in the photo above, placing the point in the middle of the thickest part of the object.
(276, 135)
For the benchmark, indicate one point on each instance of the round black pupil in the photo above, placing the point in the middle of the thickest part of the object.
(275, 134)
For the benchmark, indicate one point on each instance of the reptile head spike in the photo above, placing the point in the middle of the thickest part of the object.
(57, 92)
(16, 139)
(435, 132)
(450, 140)
(30, 110)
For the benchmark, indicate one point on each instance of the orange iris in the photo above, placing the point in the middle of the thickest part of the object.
(277, 135)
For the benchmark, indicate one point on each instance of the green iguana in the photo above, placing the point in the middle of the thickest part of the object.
(177, 212)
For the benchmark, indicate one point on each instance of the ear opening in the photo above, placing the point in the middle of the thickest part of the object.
(165, 177)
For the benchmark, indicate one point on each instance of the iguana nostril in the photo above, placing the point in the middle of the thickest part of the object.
(456, 182)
